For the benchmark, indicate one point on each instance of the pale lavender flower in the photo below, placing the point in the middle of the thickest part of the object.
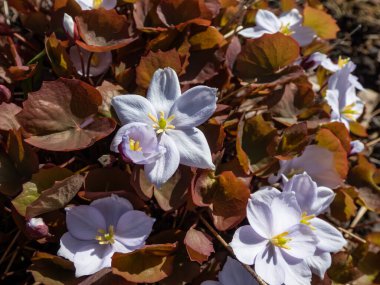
(345, 106)
(317, 161)
(100, 62)
(313, 201)
(95, 4)
(97, 231)
(233, 273)
(276, 241)
(174, 118)
(289, 24)
(138, 143)
(356, 147)
(312, 61)
(343, 63)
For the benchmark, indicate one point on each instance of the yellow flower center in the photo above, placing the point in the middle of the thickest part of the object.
(281, 240)
(95, 60)
(285, 29)
(96, 3)
(106, 237)
(348, 112)
(342, 61)
(161, 124)
(306, 220)
(134, 145)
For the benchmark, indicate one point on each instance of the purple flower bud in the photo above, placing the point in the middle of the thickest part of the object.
(36, 228)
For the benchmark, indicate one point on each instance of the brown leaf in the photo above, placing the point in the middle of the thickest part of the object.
(255, 135)
(198, 245)
(363, 174)
(61, 116)
(174, 192)
(322, 23)
(341, 132)
(55, 197)
(328, 140)
(102, 30)
(342, 269)
(53, 270)
(59, 58)
(8, 114)
(293, 141)
(149, 264)
(108, 90)
(174, 12)
(265, 56)
(105, 277)
(343, 207)
(209, 38)
(153, 61)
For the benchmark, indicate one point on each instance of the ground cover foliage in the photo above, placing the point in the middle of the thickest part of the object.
(257, 108)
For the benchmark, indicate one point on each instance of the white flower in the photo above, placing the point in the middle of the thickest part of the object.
(174, 118)
(313, 201)
(356, 147)
(97, 231)
(95, 4)
(343, 63)
(276, 241)
(345, 106)
(233, 273)
(317, 161)
(99, 62)
(312, 61)
(70, 27)
(289, 24)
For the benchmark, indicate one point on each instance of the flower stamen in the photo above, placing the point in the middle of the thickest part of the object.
(97, 3)
(348, 111)
(286, 30)
(281, 240)
(134, 145)
(306, 220)
(106, 237)
(161, 124)
(342, 61)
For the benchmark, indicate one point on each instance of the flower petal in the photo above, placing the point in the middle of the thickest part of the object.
(112, 208)
(83, 222)
(356, 147)
(133, 108)
(121, 132)
(164, 167)
(260, 218)
(194, 107)
(246, 244)
(265, 194)
(325, 197)
(164, 89)
(193, 148)
(298, 274)
(303, 241)
(270, 265)
(253, 33)
(330, 239)
(92, 258)
(291, 18)
(319, 263)
(303, 35)
(133, 228)
(210, 282)
(69, 245)
(234, 273)
(109, 4)
(285, 212)
(104, 60)
(305, 190)
(329, 65)
(268, 21)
